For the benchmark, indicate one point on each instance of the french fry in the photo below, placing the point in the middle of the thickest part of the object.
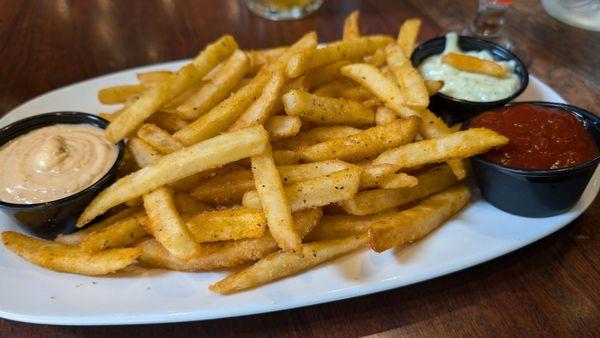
(77, 237)
(227, 188)
(274, 202)
(152, 78)
(372, 174)
(228, 224)
(259, 110)
(338, 226)
(143, 153)
(212, 153)
(377, 59)
(399, 180)
(299, 83)
(324, 75)
(66, 258)
(218, 88)
(158, 139)
(301, 140)
(327, 133)
(259, 58)
(166, 225)
(461, 144)
(351, 30)
(384, 115)
(177, 83)
(119, 94)
(433, 86)
(415, 223)
(122, 233)
(282, 126)
(325, 110)
(188, 205)
(171, 106)
(301, 63)
(285, 157)
(365, 144)
(226, 254)
(281, 264)
(410, 80)
(374, 201)
(474, 64)
(320, 191)
(372, 102)
(169, 122)
(189, 182)
(408, 35)
(303, 172)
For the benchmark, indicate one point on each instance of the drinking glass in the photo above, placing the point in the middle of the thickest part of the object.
(283, 9)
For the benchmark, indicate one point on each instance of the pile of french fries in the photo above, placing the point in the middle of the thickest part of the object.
(274, 160)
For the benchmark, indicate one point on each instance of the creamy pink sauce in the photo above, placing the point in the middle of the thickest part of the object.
(54, 162)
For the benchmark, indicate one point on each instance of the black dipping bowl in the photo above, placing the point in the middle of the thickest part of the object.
(51, 218)
(453, 109)
(537, 193)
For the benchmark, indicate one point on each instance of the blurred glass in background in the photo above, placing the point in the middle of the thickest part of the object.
(283, 9)
(583, 14)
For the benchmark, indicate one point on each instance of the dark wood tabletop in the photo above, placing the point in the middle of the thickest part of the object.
(549, 288)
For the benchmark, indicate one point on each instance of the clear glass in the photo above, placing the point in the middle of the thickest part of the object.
(283, 9)
(584, 14)
(489, 22)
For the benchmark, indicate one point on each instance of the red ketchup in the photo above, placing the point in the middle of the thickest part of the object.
(540, 137)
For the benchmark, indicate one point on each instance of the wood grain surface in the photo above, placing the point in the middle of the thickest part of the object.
(550, 288)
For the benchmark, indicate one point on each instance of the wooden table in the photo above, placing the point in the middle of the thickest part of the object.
(550, 288)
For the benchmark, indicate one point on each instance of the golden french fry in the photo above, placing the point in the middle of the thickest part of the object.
(119, 94)
(282, 126)
(158, 139)
(324, 75)
(274, 202)
(122, 233)
(171, 106)
(377, 59)
(143, 153)
(212, 153)
(461, 144)
(189, 182)
(177, 83)
(66, 258)
(327, 133)
(166, 225)
(300, 83)
(408, 35)
(259, 58)
(372, 102)
(153, 77)
(377, 200)
(302, 172)
(77, 237)
(259, 110)
(301, 63)
(433, 86)
(281, 264)
(284, 157)
(189, 205)
(320, 191)
(351, 30)
(399, 180)
(226, 188)
(372, 174)
(365, 144)
(226, 254)
(218, 88)
(295, 143)
(169, 122)
(338, 226)
(412, 84)
(474, 64)
(228, 224)
(415, 223)
(325, 110)
(384, 115)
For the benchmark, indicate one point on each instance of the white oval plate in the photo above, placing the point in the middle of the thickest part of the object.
(32, 294)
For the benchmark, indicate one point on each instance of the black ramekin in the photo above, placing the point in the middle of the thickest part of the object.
(51, 218)
(537, 193)
(453, 109)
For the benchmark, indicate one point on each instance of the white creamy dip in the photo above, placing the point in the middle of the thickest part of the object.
(53, 162)
(466, 85)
